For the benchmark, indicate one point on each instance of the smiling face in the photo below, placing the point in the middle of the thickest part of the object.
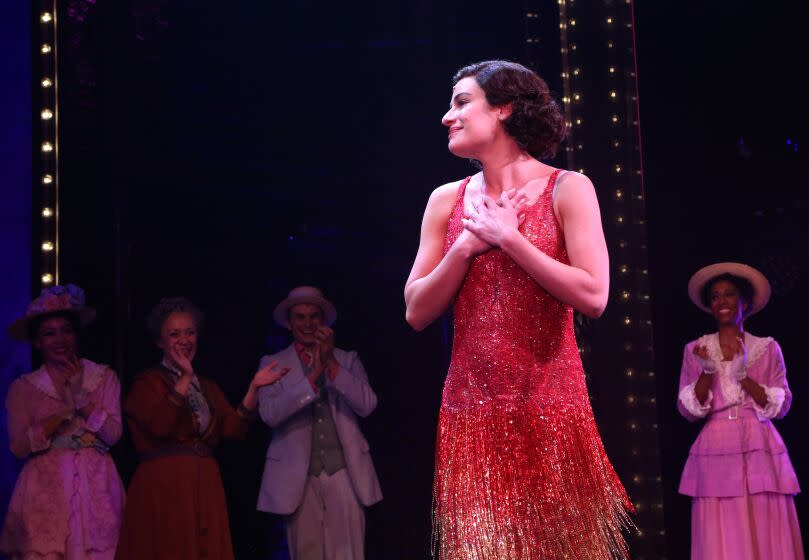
(304, 320)
(473, 124)
(56, 339)
(726, 303)
(179, 330)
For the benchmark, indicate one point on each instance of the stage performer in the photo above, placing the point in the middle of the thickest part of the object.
(520, 468)
(738, 471)
(176, 505)
(319, 474)
(62, 419)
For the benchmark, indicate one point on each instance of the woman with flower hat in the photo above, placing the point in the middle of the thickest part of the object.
(62, 419)
(738, 471)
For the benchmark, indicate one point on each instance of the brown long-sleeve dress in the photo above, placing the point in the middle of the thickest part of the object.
(175, 507)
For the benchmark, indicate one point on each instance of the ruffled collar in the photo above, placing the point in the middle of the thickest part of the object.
(92, 374)
(755, 346)
(731, 388)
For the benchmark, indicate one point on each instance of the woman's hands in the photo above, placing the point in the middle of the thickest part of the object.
(738, 365)
(491, 221)
(180, 360)
(55, 421)
(268, 375)
(704, 360)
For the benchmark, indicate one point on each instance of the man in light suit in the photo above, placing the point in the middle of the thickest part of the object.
(318, 473)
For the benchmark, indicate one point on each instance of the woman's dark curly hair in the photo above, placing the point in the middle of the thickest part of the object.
(165, 307)
(536, 122)
(746, 290)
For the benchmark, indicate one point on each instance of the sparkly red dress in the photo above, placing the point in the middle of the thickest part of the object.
(521, 473)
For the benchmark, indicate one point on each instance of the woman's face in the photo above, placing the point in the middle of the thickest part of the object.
(179, 331)
(56, 340)
(726, 303)
(473, 123)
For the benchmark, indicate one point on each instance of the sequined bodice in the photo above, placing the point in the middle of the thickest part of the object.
(509, 332)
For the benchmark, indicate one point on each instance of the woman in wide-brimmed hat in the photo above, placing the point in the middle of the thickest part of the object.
(738, 471)
(62, 418)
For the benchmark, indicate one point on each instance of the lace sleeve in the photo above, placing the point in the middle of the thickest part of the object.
(688, 398)
(775, 400)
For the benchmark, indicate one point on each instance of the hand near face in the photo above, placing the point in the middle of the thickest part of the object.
(704, 360)
(69, 368)
(268, 375)
(179, 359)
(325, 344)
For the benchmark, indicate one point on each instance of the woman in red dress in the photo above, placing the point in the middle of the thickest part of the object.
(521, 472)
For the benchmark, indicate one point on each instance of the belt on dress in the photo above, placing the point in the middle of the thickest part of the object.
(733, 413)
(196, 448)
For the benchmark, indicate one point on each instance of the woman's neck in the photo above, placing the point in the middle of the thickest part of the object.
(508, 168)
(729, 333)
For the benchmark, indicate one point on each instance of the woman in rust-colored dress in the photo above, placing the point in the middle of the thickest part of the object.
(520, 469)
(176, 505)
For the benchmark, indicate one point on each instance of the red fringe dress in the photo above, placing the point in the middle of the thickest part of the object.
(521, 473)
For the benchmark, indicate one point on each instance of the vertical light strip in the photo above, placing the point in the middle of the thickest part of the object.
(566, 72)
(48, 114)
(57, 195)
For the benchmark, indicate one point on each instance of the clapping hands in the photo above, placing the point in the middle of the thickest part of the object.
(704, 360)
(738, 365)
(268, 375)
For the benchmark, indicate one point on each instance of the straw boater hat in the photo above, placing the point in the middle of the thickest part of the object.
(56, 299)
(761, 286)
(304, 294)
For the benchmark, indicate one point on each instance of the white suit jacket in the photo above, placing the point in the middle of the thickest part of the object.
(285, 406)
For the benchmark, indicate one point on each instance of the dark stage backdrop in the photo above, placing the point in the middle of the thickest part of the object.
(228, 153)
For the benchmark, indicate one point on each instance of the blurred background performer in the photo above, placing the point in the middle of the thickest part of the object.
(62, 419)
(176, 507)
(318, 473)
(738, 471)
(520, 468)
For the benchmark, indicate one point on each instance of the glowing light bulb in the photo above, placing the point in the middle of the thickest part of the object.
(47, 212)
(46, 17)
(46, 114)
(47, 278)
(45, 49)
(47, 179)
(46, 82)
(47, 246)
(47, 147)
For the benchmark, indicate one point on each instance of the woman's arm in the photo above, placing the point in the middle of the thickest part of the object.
(25, 435)
(155, 408)
(695, 396)
(103, 416)
(772, 397)
(436, 278)
(584, 283)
